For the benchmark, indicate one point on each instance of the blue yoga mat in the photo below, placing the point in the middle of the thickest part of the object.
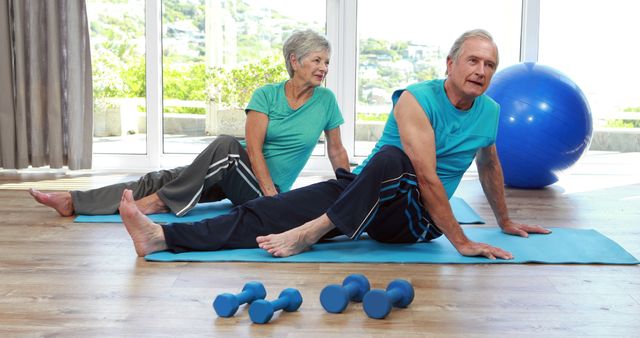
(463, 212)
(198, 213)
(563, 246)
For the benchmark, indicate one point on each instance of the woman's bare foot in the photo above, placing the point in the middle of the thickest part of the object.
(151, 204)
(60, 201)
(296, 240)
(147, 236)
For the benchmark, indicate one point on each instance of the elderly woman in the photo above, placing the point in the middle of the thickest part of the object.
(284, 122)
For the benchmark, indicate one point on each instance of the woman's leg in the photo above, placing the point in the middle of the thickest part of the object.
(221, 170)
(105, 200)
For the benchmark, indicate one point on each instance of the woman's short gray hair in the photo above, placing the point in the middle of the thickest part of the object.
(300, 44)
(456, 49)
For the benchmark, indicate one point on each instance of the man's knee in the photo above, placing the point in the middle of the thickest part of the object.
(391, 160)
(392, 151)
(390, 154)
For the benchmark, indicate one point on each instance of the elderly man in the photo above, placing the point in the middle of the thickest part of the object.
(400, 194)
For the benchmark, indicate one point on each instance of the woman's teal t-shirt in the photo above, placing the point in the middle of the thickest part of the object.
(458, 134)
(293, 134)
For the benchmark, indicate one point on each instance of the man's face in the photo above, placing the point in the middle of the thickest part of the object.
(471, 73)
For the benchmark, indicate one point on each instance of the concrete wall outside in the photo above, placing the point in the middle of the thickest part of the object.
(112, 121)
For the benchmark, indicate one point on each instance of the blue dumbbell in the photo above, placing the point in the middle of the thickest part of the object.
(227, 304)
(261, 310)
(335, 298)
(378, 303)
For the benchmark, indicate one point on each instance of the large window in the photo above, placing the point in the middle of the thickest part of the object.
(408, 41)
(595, 44)
(171, 75)
(117, 31)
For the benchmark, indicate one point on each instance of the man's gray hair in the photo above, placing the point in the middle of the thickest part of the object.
(300, 44)
(456, 49)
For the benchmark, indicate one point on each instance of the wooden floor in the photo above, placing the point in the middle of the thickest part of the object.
(58, 278)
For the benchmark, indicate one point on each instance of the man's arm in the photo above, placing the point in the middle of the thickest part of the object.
(337, 154)
(418, 141)
(255, 132)
(492, 181)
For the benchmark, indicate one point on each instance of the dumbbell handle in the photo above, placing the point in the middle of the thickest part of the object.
(352, 289)
(394, 295)
(246, 296)
(280, 303)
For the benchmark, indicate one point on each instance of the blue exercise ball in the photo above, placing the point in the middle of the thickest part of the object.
(545, 123)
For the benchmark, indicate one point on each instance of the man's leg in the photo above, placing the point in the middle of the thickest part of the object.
(147, 236)
(224, 159)
(388, 172)
(296, 240)
(402, 219)
(382, 200)
(242, 225)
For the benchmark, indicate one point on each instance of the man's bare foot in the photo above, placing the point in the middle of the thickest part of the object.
(147, 236)
(151, 204)
(296, 240)
(60, 201)
(284, 244)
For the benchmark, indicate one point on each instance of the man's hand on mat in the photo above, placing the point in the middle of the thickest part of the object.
(481, 249)
(523, 230)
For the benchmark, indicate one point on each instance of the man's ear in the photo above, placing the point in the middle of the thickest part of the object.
(449, 63)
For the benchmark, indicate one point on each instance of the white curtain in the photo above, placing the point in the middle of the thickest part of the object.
(46, 98)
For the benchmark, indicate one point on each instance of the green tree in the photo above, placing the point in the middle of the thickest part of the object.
(625, 123)
(116, 55)
(424, 73)
(119, 61)
(379, 48)
(180, 10)
(134, 78)
(185, 82)
(233, 88)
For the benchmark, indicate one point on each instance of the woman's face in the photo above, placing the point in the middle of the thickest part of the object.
(312, 68)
